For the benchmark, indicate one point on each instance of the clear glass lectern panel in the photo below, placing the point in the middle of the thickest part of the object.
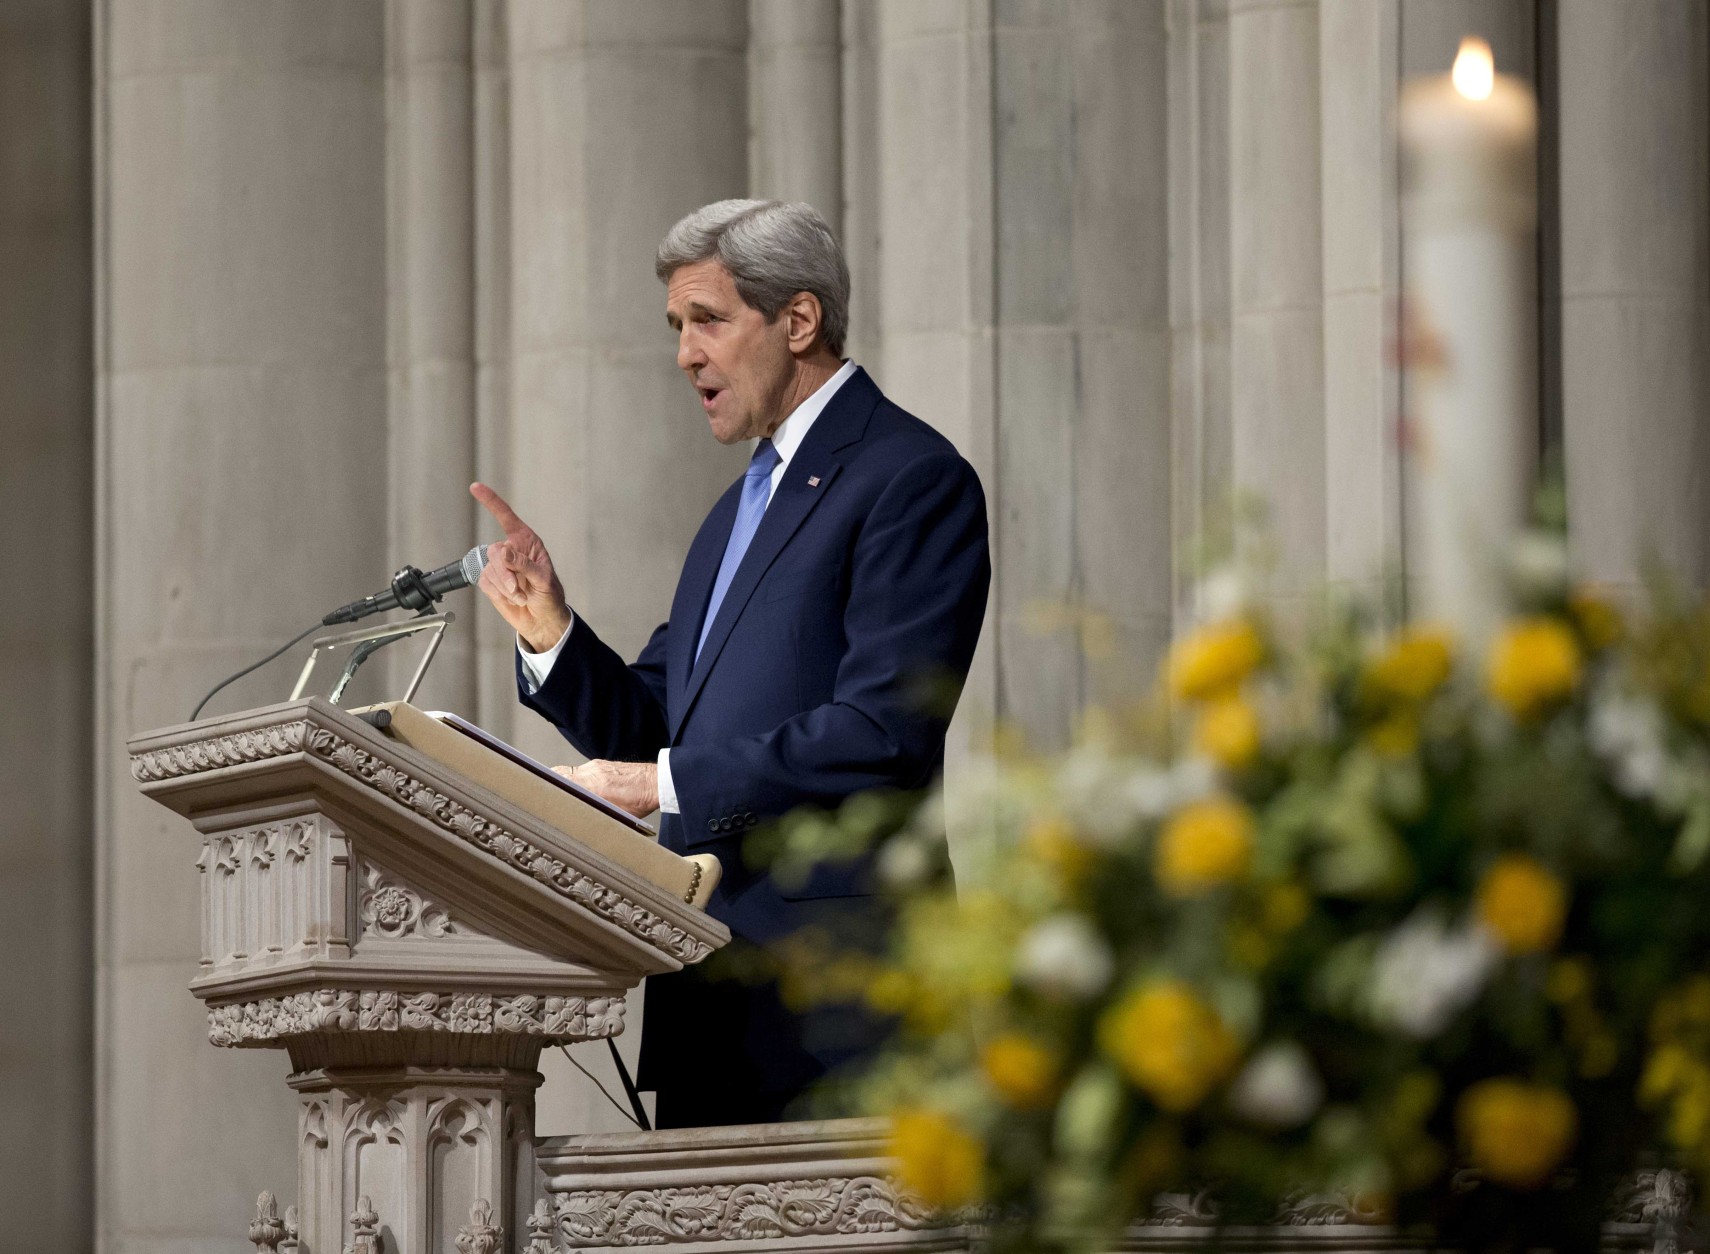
(368, 665)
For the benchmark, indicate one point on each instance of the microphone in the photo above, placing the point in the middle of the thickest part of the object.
(412, 590)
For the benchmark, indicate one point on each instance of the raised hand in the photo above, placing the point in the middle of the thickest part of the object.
(519, 579)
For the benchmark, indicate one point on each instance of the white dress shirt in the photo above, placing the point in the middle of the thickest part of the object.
(786, 440)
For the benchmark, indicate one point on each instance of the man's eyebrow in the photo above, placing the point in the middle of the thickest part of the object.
(695, 307)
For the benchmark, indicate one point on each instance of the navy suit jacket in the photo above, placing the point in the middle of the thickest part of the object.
(863, 589)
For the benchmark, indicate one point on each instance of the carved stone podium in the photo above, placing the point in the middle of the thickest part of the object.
(412, 939)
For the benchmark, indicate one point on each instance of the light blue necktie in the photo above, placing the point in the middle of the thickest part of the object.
(756, 491)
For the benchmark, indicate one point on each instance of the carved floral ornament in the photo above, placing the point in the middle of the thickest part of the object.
(392, 909)
(737, 1212)
(491, 838)
(350, 1010)
(590, 1218)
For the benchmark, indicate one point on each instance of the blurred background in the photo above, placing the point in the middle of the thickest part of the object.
(282, 276)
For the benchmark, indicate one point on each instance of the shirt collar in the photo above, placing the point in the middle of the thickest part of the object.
(793, 430)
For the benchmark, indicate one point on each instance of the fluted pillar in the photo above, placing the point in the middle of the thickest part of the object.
(1635, 264)
(1359, 65)
(795, 103)
(1199, 212)
(1277, 277)
(242, 367)
(1081, 592)
(920, 225)
(430, 312)
(46, 649)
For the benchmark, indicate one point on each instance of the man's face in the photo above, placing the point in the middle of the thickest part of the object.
(739, 363)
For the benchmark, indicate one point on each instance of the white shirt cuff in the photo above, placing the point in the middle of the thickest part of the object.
(537, 666)
(667, 789)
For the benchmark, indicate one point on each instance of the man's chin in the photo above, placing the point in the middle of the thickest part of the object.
(726, 433)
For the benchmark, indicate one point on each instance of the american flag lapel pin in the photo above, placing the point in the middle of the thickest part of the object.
(813, 481)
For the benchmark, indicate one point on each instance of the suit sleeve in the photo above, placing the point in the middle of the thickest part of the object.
(603, 706)
(919, 576)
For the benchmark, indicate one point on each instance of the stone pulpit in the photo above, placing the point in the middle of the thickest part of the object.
(412, 918)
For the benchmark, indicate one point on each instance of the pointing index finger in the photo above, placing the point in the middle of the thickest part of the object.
(501, 511)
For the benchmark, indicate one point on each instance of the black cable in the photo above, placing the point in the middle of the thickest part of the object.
(641, 1120)
(618, 1106)
(246, 670)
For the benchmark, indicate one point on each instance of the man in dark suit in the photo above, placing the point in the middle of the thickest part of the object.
(842, 576)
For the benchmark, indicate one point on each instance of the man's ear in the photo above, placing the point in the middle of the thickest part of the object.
(804, 320)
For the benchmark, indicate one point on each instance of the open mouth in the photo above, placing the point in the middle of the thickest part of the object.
(709, 395)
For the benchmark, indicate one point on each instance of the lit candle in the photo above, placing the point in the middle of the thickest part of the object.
(1469, 147)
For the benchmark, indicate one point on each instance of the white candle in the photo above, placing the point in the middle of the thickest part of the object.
(1469, 147)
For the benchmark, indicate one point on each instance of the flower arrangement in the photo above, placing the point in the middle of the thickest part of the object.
(1342, 909)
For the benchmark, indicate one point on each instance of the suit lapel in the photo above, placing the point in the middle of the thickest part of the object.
(843, 423)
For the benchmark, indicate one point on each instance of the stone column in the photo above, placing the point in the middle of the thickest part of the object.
(1199, 209)
(1635, 262)
(242, 367)
(1359, 47)
(621, 118)
(1277, 271)
(46, 654)
(430, 314)
(1082, 387)
(922, 209)
(795, 103)
(860, 218)
(413, 1144)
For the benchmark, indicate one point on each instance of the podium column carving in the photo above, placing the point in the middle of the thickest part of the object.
(422, 1148)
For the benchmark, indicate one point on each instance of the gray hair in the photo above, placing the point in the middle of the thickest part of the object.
(773, 250)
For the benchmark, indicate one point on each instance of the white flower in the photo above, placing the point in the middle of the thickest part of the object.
(1192, 779)
(904, 862)
(1278, 1088)
(1538, 564)
(1424, 974)
(1221, 594)
(1151, 792)
(1627, 732)
(1064, 956)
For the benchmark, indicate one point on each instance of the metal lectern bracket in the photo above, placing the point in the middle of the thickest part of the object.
(368, 641)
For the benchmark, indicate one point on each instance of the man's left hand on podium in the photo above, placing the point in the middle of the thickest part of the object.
(632, 786)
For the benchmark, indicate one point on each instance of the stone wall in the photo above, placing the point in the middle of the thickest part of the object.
(1129, 254)
(47, 388)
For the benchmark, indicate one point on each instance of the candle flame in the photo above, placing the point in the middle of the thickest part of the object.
(1474, 74)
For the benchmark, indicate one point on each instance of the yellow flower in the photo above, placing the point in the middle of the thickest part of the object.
(1533, 664)
(1169, 1044)
(937, 1159)
(1215, 659)
(1598, 618)
(1569, 981)
(1023, 1072)
(891, 991)
(1227, 731)
(1522, 903)
(1204, 845)
(1052, 841)
(1396, 736)
(1517, 1133)
(1249, 948)
(1284, 907)
(1415, 664)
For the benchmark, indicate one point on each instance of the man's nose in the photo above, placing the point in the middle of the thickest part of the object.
(689, 354)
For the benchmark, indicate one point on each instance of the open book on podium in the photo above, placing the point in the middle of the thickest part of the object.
(486, 760)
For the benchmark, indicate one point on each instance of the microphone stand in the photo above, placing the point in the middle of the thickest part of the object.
(362, 652)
